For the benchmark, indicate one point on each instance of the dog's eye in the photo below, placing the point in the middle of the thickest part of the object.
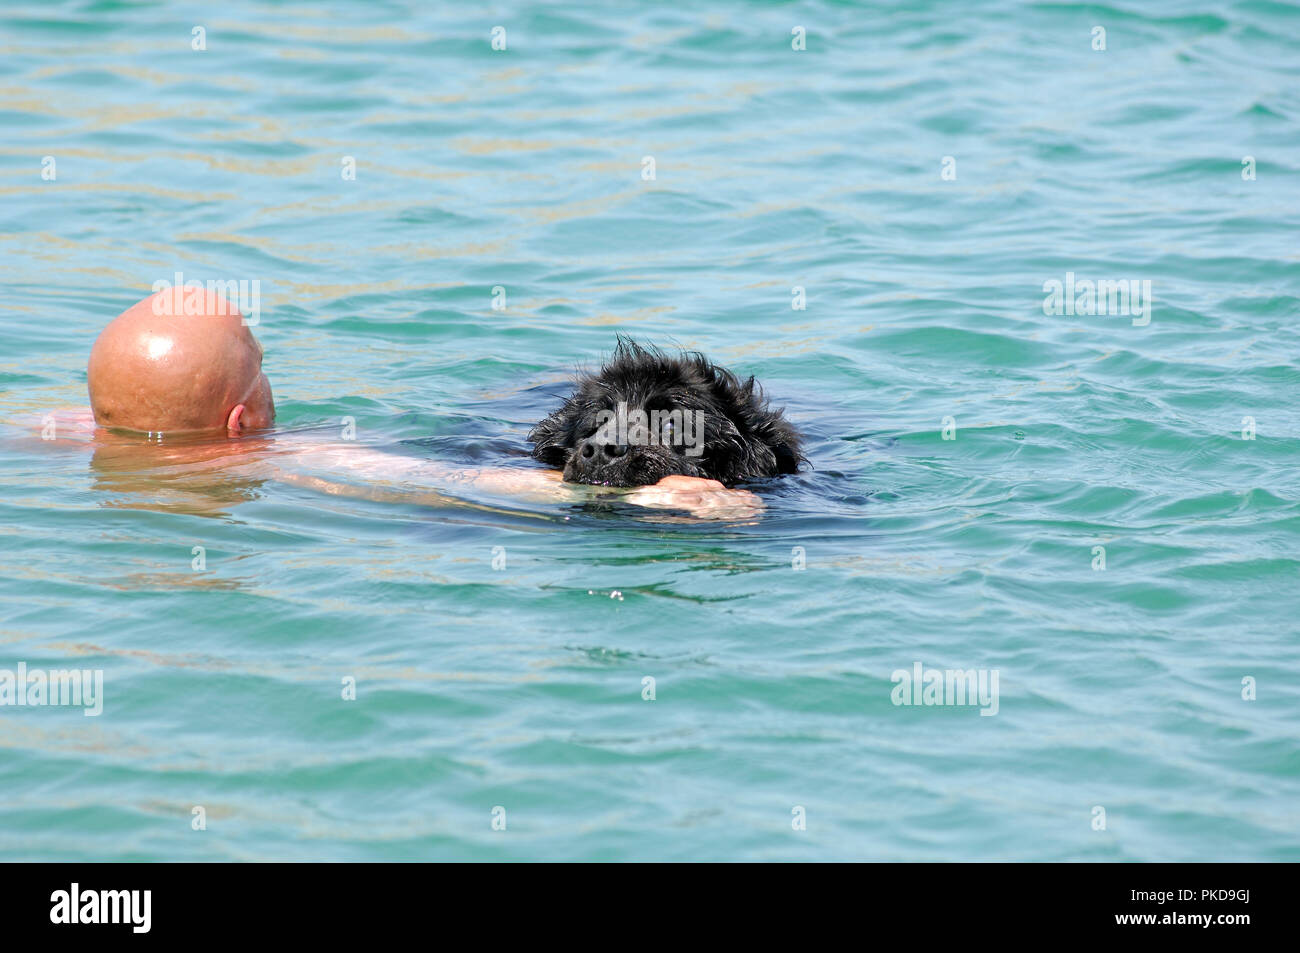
(672, 434)
(600, 427)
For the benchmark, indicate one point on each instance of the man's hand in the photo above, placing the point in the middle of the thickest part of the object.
(705, 499)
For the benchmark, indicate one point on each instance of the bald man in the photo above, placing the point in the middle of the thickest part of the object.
(157, 369)
(184, 361)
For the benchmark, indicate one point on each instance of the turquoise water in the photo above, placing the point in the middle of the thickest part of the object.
(521, 687)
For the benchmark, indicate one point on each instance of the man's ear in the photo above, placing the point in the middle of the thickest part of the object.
(234, 423)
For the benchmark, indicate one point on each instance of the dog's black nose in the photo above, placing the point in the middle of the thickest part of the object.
(596, 452)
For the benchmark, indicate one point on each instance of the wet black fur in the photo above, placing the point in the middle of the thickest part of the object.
(743, 438)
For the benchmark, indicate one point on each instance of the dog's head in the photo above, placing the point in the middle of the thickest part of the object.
(646, 415)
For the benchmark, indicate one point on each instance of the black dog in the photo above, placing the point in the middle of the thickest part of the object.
(647, 415)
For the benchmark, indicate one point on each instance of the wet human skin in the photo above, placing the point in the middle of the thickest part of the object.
(179, 363)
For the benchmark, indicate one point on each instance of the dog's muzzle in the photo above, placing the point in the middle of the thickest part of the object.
(600, 462)
(597, 461)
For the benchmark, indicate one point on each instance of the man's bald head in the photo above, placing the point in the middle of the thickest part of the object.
(157, 368)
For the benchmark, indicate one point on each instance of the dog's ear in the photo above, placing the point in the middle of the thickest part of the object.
(551, 439)
(768, 444)
(785, 442)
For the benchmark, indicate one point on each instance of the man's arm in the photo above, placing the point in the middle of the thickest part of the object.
(303, 459)
(705, 499)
